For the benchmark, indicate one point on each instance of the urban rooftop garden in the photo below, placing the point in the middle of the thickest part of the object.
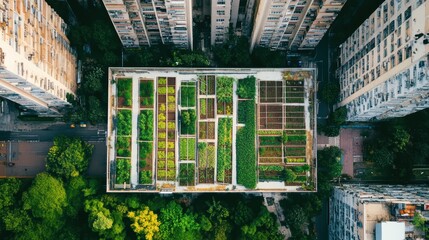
(211, 130)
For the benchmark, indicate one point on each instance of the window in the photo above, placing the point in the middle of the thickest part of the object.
(220, 20)
(222, 2)
(221, 12)
(407, 13)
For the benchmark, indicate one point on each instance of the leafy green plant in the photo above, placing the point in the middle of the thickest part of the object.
(224, 156)
(145, 177)
(187, 95)
(146, 125)
(224, 89)
(246, 87)
(245, 146)
(124, 122)
(123, 170)
(187, 125)
(187, 149)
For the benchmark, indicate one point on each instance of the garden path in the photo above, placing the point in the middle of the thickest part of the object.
(134, 147)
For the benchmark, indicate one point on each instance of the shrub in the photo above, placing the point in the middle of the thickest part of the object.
(245, 146)
(187, 125)
(124, 122)
(123, 169)
(290, 176)
(224, 146)
(224, 89)
(146, 125)
(145, 177)
(145, 149)
(246, 87)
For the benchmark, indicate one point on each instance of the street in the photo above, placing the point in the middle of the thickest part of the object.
(26, 151)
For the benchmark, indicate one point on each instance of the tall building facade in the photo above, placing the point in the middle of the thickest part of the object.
(231, 16)
(293, 24)
(369, 212)
(384, 69)
(152, 22)
(37, 64)
(320, 21)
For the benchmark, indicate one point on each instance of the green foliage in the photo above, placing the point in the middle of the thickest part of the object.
(335, 120)
(267, 58)
(245, 146)
(69, 157)
(329, 92)
(290, 176)
(234, 53)
(9, 187)
(74, 190)
(146, 125)
(187, 125)
(125, 90)
(124, 122)
(246, 87)
(224, 147)
(263, 226)
(123, 168)
(145, 150)
(46, 199)
(224, 89)
(145, 177)
(187, 149)
(271, 168)
(176, 224)
(146, 92)
(187, 94)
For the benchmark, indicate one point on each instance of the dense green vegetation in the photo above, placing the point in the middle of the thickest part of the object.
(187, 125)
(187, 149)
(388, 147)
(123, 169)
(146, 93)
(187, 95)
(224, 147)
(332, 127)
(146, 125)
(124, 122)
(245, 141)
(125, 91)
(145, 177)
(69, 157)
(224, 89)
(187, 174)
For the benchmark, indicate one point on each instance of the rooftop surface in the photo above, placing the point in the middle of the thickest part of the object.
(211, 130)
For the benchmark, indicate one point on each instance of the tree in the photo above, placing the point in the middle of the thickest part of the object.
(74, 191)
(99, 216)
(69, 157)
(92, 78)
(263, 227)
(177, 225)
(17, 221)
(46, 198)
(9, 187)
(144, 222)
(329, 92)
(95, 112)
(400, 139)
(334, 122)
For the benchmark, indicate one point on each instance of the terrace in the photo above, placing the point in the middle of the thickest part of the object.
(191, 130)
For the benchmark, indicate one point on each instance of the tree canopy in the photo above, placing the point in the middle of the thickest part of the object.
(69, 157)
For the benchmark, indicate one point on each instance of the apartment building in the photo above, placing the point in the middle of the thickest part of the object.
(293, 24)
(376, 212)
(152, 22)
(384, 69)
(320, 21)
(37, 64)
(233, 16)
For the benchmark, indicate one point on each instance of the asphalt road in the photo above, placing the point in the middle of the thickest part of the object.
(91, 134)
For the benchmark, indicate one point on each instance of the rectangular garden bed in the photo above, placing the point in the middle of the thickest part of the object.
(146, 92)
(188, 94)
(187, 148)
(125, 92)
(206, 162)
(224, 148)
(187, 174)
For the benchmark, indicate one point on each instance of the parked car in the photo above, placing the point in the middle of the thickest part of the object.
(72, 125)
(82, 125)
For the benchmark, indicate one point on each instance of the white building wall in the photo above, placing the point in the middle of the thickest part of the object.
(384, 67)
